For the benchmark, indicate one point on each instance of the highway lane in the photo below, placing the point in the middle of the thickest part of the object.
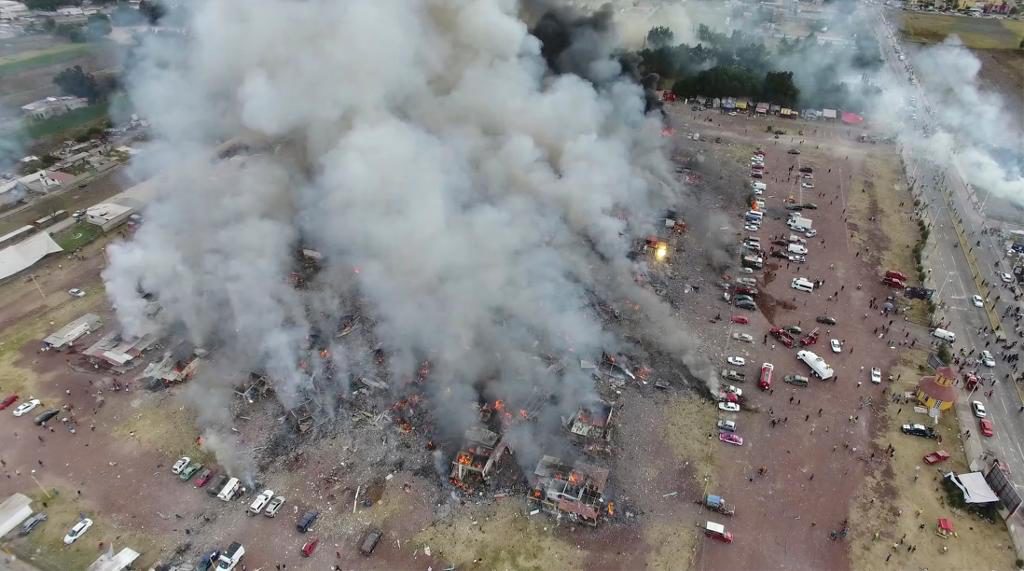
(951, 275)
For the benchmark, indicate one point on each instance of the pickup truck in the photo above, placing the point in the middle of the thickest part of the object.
(230, 557)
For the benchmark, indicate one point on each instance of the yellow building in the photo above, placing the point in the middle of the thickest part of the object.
(938, 391)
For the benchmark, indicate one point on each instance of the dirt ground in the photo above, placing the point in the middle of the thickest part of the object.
(901, 500)
(1002, 71)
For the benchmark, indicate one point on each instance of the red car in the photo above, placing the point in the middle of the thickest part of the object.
(765, 381)
(741, 319)
(893, 283)
(730, 438)
(203, 477)
(936, 457)
(986, 427)
(310, 547)
(896, 275)
(8, 401)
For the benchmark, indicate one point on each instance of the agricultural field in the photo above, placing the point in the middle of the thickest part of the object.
(976, 33)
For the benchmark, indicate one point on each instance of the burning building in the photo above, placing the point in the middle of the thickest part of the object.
(576, 491)
(171, 370)
(591, 425)
(478, 458)
(116, 352)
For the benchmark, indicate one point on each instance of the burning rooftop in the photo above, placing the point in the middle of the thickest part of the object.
(575, 491)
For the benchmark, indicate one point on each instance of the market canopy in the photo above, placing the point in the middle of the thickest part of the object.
(24, 254)
(974, 487)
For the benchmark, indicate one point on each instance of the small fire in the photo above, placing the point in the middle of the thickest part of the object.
(499, 405)
(405, 425)
(574, 479)
(523, 414)
(661, 251)
(537, 493)
(325, 354)
(611, 509)
(464, 458)
(643, 372)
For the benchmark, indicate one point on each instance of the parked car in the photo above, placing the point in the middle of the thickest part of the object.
(794, 151)
(876, 375)
(936, 457)
(793, 329)
(190, 471)
(825, 320)
(810, 232)
(215, 488)
(837, 347)
(918, 430)
(987, 359)
(746, 304)
(740, 319)
(798, 380)
(203, 478)
(310, 546)
(274, 506)
(806, 169)
(77, 531)
(735, 376)
(727, 425)
(1007, 278)
(180, 465)
(75, 292)
(369, 541)
(744, 337)
(25, 407)
(260, 502)
(736, 361)
(8, 401)
(729, 406)
(977, 301)
(979, 409)
(986, 427)
(731, 438)
(31, 523)
(733, 389)
(45, 416)
(307, 520)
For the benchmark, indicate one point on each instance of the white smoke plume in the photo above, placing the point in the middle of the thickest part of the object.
(467, 194)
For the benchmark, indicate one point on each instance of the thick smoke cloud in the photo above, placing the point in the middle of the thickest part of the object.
(466, 194)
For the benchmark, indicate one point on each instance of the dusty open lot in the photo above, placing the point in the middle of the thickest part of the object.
(822, 455)
(977, 33)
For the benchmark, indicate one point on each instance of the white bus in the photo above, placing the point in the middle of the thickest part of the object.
(818, 365)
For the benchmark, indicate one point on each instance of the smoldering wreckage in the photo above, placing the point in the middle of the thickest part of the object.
(411, 252)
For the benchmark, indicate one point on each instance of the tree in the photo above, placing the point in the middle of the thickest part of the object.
(660, 37)
(75, 81)
(779, 88)
(49, 5)
(153, 10)
(98, 25)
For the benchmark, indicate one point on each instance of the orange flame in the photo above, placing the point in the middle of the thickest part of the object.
(611, 508)
(464, 458)
(574, 478)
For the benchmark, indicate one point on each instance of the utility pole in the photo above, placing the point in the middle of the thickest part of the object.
(39, 289)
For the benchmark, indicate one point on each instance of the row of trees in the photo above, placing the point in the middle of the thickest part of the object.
(76, 82)
(735, 81)
(738, 64)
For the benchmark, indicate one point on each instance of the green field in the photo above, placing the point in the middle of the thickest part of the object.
(40, 58)
(83, 118)
(77, 236)
(977, 33)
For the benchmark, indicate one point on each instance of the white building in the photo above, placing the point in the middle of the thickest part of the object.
(108, 215)
(53, 106)
(73, 331)
(11, 10)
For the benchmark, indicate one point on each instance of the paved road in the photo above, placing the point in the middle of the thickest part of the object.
(956, 228)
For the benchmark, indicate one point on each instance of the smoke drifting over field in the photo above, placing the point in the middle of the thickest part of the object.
(466, 192)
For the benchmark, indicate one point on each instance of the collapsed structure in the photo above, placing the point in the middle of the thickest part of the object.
(574, 491)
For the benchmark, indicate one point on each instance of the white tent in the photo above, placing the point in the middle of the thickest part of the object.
(24, 254)
(976, 490)
(14, 510)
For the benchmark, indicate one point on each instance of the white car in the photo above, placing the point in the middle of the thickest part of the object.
(979, 409)
(729, 407)
(75, 292)
(727, 425)
(807, 184)
(1007, 278)
(810, 232)
(837, 347)
(977, 301)
(747, 270)
(987, 359)
(260, 502)
(797, 249)
(180, 465)
(745, 337)
(26, 406)
(77, 531)
(736, 361)
(751, 227)
(758, 192)
(876, 375)
(734, 390)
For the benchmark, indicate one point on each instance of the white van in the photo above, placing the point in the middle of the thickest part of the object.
(944, 335)
(227, 493)
(754, 216)
(802, 284)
